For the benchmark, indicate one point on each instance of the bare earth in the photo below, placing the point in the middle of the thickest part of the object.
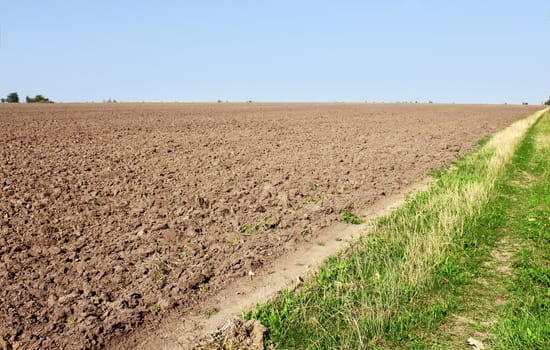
(115, 216)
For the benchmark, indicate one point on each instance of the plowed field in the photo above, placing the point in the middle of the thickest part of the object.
(112, 216)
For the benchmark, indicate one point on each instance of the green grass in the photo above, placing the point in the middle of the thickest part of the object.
(506, 306)
(350, 218)
(211, 311)
(395, 286)
(524, 321)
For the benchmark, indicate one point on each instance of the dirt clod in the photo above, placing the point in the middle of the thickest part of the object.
(236, 334)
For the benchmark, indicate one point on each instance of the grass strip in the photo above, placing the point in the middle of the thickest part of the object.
(507, 305)
(400, 280)
(523, 322)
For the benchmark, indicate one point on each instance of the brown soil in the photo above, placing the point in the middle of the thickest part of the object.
(114, 216)
(200, 328)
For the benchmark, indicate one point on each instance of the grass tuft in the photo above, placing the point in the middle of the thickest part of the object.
(350, 218)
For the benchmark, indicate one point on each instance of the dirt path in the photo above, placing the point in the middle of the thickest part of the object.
(488, 303)
(184, 331)
(480, 302)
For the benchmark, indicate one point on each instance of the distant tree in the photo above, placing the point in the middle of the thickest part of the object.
(525, 103)
(3, 100)
(547, 102)
(38, 99)
(12, 98)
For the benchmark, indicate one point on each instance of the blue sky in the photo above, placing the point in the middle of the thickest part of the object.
(396, 50)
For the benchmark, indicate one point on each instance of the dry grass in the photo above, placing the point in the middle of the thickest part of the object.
(542, 140)
(448, 206)
(506, 142)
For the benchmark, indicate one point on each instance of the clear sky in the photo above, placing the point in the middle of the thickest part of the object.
(396, 50)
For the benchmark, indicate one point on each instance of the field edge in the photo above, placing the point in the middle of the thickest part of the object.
(295, 317)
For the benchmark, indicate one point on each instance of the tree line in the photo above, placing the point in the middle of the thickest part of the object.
(13, 97)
